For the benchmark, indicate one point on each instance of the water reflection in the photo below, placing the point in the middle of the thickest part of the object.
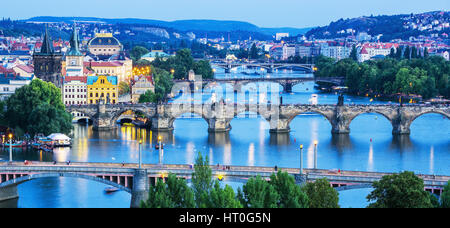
(402, 143)
(341, 142)
(280, 139)
(218, 138)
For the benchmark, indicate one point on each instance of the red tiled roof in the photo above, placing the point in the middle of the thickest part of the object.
(26, 68)
(102, 64)
(75, 78)
(364, 51)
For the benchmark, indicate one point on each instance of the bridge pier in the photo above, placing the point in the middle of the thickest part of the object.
(340, 121)
(160, 123)
(102, 121)
(8, 193)
(216, 125)
(227, 70)
(287, 88)
(139, 191)
(279, 125)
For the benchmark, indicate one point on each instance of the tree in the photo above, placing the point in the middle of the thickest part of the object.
(148, 97)
(174, 193)
(404, 190)
(124, 88)
(202, 182)
(445, 197)
(354, 54)
(37, 108)
(223, 197)
(321, 194)
(204, 69)
(137, 52)
(258, 193)
(291, 195)
(254, 52)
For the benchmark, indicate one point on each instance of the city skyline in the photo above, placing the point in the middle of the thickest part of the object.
(297, 14)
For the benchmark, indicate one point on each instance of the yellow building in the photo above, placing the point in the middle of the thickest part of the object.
(102, 87)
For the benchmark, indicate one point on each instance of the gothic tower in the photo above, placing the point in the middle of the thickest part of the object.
(74, 58)
(47, 63)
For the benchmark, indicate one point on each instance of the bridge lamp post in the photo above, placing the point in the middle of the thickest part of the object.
(10, 147)
(160, 150)
(301, 159)
(315, 154)
(140, 161)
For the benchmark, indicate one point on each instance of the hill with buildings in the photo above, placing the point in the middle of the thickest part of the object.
(199, 26)
(387, 28)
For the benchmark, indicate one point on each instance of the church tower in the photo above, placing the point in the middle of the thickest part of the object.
(47, 63)
(74, 58)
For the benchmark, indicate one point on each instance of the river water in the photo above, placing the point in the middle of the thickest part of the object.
(369, 147)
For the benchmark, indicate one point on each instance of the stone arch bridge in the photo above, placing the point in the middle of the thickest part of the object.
(129, 178)
(219, 115)
(270, 67)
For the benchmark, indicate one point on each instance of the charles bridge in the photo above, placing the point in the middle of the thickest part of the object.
(279, 116)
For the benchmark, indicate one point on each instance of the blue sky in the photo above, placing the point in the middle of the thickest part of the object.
(263, 13)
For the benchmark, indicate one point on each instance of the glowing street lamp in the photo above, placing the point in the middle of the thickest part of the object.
(160, 150)
(315, 154)
(172, 71)
(301, 159)
(10, 136)
(140, 161)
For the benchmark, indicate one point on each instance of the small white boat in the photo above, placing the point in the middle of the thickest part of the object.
(111, 189)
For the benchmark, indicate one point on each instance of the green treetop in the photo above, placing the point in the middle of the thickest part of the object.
(404, 190)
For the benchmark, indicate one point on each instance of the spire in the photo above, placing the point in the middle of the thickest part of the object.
(47, 44)
(74, 46)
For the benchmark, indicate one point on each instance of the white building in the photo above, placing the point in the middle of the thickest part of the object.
(280, 36)
(10, 82)
(74, 90)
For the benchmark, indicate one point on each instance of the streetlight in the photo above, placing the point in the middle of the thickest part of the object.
(10, 147)
(315, 154)
(160, 151)
(140, 162)
(301, 159)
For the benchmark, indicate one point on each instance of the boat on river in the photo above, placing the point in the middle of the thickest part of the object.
(16, 144)
(111, 189)
(58, 139)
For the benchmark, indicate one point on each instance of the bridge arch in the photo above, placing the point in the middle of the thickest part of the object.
(117, 114)
(370, 111)
(417, 115)
(327, 115)
(179, 113)
(29, 177)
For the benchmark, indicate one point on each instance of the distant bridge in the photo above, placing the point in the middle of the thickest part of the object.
(270, 67)
(129, 178)
(219, 115)
(286, 82)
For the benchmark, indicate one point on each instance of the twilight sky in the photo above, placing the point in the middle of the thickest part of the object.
(263, 13)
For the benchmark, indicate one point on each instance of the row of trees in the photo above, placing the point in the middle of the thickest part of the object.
(36, 108)
(403, 190)
(427, 77)
(205, 192)
(180, 64)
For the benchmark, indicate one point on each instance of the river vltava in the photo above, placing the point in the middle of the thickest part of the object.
(369, 147)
